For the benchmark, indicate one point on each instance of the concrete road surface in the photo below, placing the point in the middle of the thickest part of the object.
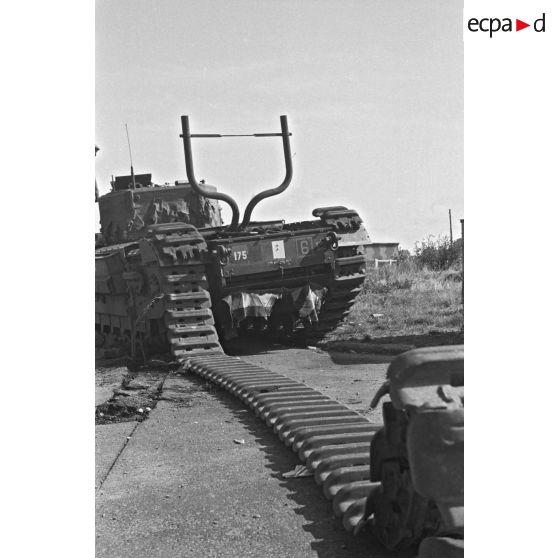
(178, 485)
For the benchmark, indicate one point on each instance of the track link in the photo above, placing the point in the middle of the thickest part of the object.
(332, 440)
(188, 318)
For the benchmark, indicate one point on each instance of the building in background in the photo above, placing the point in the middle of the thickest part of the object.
(381, 253)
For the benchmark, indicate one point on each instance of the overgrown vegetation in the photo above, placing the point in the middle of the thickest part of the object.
(420, 295)
(438, 253)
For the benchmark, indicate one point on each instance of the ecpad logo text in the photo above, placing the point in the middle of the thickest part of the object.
(493, 25)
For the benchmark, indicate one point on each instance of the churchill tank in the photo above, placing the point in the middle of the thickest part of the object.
(171, 276)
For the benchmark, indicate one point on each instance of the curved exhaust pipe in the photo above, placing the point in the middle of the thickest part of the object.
(192, 179)
(285, 134)
(288, 174)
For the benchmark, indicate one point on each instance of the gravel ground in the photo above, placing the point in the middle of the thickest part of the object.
(108, 377)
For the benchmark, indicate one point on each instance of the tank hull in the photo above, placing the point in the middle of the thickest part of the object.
(282, 277)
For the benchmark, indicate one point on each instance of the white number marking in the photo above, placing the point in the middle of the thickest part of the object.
(240, 255)
(304, 247)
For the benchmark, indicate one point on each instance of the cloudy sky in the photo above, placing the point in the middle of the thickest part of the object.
(373, 91)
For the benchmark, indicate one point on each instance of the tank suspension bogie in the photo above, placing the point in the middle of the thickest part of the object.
(418, 455)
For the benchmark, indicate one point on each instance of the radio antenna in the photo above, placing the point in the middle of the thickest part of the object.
(131, 162)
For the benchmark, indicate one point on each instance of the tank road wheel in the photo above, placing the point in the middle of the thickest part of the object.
(402, 517)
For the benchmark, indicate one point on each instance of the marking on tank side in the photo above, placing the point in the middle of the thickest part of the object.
(278, 249)
(304, 246)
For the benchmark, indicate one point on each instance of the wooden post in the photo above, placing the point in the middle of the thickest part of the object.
(451, 231)
(462, 260)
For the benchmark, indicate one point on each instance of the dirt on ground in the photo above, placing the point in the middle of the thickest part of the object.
(125, 393)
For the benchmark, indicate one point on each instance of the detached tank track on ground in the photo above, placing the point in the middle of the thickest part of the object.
(332, 440)
(188, 318)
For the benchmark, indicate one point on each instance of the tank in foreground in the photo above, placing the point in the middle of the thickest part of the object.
(417, 458)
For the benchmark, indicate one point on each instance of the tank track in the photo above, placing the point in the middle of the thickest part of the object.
(340, 297)
(350, 271)
(188, 318)
(332, 440)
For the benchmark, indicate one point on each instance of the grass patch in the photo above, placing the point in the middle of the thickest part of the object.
(404, 300)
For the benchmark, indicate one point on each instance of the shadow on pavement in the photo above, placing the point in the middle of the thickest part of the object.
(432, 339)
(348, 358)
(384, 349)
(253, 346)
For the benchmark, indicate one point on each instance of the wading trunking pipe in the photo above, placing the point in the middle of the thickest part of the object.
(288, 174)
(186, 136)
(192, 179)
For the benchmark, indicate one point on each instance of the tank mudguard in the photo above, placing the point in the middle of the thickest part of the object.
(430, 377)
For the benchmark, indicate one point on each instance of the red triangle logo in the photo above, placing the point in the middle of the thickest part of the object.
(519, 25)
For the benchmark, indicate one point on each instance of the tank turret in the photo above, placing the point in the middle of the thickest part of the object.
(127, 210)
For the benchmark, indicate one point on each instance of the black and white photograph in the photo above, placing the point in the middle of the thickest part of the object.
(279, 278)
(265, 356)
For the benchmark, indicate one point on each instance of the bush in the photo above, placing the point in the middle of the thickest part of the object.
(437, 253)
(403, 255)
